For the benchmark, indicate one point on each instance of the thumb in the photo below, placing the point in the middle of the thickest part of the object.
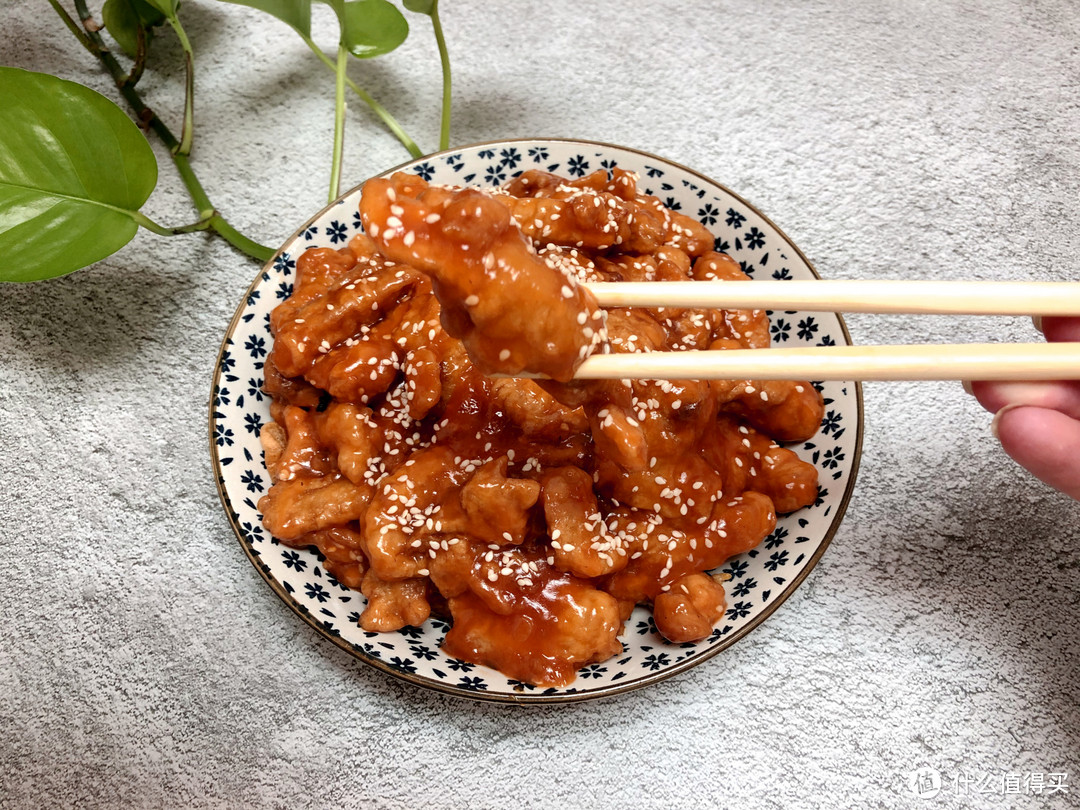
(1044, 441)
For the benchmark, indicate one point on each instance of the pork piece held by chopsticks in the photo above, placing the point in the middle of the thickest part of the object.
(486, 275)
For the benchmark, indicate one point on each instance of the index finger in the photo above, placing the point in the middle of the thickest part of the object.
(1060, 329)
(1063, 395)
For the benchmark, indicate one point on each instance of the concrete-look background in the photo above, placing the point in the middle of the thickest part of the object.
(145, 663)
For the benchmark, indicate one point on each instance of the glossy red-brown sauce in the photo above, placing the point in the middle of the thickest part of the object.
(533, 515)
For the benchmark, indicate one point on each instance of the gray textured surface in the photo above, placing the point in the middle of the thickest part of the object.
(143, 661)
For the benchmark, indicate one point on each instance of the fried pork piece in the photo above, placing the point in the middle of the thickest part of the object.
(535, 623)
(354, 438)
(407, 340)
(496, 506)
(579, 537)
(537, 183)
(685, 328)
(640, 424)
(689, 610)
(393, 605)
(750, 327)
(749, 460)
(408, 506)
(600, 221)
(338, 315)
(343, 550)
(571, 262)
(300, 506)
(535, 412)
(437, 499)
(665, 264)
(787, 411)
(601, 213)
(273, 439)
(303, 454)
(483, 269)
(661, 553)
(290, 390)
(317, 270)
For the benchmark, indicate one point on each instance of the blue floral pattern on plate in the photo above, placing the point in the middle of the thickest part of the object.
(758, 580)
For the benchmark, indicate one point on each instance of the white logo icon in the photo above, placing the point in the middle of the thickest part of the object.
(925, 782)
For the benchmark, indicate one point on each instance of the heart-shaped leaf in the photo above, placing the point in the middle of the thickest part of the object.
(421, 6)
(294, 13)
(74, 171)
(123, 18)
(371, 27)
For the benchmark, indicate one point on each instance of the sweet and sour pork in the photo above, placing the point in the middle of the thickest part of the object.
(533, 514)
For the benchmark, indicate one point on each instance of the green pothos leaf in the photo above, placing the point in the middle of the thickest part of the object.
(124, 18)
(74, 171)
(371, 28)
(294, 13)
(166, 7)
(421, 6)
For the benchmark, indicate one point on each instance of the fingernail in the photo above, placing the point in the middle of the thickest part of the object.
(1037, 320)
(997, 418)
(967, 386)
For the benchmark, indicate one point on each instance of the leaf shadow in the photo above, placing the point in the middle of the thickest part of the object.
(94, 318)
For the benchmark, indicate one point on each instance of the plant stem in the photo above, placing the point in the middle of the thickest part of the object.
(210, 221)
(376, 107)
(70, 23)
(387, 118)
(444, 58)
(191, 182)
(150, 225)
(227, 232)
(339, 121)
(188, 131)
(92, 41)
(142, 43)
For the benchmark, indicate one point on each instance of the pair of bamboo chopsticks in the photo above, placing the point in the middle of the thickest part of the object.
(977, 361)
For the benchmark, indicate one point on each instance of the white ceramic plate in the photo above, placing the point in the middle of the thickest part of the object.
(760, 579)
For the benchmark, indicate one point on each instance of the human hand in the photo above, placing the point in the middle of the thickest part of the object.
(1038, 423)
